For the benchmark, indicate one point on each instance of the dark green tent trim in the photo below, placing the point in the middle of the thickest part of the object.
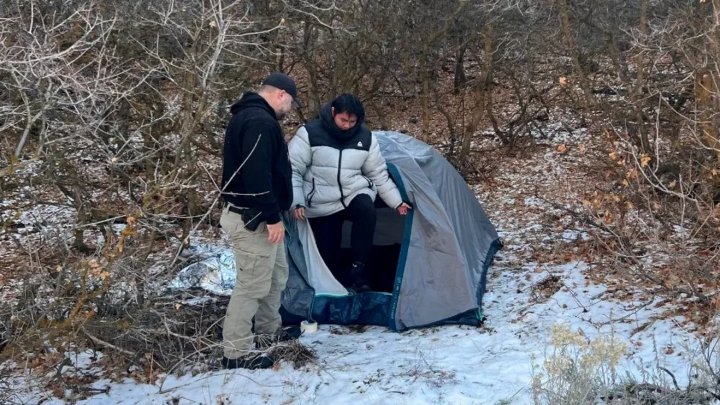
(400, 271)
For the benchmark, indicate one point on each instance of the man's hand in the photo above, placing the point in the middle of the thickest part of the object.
(403, 208)
(299, 212)
(276, 232)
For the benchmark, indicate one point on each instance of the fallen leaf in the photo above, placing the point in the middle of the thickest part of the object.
(645, 160)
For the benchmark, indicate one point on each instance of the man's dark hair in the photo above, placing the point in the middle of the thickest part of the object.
(349, 103)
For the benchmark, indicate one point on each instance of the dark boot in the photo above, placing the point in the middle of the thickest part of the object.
(252, 361)
(360, 282)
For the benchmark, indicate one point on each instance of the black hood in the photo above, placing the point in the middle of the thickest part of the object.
(252, 100)
(328, 123)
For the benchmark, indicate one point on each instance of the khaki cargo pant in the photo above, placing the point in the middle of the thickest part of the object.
(262, 272)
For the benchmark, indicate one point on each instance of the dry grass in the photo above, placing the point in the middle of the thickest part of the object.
(294, 352)
(578, 370)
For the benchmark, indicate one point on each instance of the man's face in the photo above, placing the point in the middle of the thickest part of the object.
(345, 120)
(286, 104)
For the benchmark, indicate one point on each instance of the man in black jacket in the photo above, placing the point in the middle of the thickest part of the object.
(257, 189)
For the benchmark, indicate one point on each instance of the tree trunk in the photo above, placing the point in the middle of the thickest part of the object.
(460, 77)
(425, 100)
(575, 54)
(706, 98)
(482, 104)
(641, 137)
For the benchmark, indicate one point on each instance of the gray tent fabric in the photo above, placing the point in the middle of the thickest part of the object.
(444, 248)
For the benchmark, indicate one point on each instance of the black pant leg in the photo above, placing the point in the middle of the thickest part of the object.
(328, 236)
(361, 212)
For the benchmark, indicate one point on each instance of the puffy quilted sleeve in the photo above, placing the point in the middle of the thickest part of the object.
(300, 159)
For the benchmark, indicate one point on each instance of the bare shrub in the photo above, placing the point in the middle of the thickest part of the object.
(127, 135)
(707, 368)
(578, 370)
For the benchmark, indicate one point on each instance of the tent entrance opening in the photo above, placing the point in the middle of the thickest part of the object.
(385, 254)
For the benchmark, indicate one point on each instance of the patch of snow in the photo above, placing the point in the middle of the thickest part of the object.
(82, 363)
(534, 201)
(571, 235)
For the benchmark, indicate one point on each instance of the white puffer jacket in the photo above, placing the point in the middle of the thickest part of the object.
(327, 173)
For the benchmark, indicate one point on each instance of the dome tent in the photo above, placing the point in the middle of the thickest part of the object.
(428, 267)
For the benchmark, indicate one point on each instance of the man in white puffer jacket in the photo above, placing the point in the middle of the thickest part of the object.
(337, 171)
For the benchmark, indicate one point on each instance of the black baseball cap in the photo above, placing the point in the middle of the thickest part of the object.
(283, 82)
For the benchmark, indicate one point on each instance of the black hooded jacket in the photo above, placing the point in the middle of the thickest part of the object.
(255, 137)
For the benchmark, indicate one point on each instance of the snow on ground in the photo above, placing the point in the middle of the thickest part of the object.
(447, 364)
(493, 364)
